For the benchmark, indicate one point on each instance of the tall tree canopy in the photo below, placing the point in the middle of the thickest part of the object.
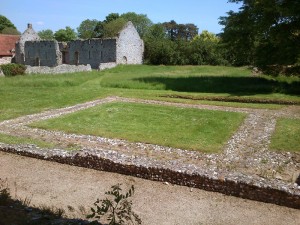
(67, 34)
(86, 29)
(46, 34)
(140, 21)
(180, 31)
(113, 21)
(263, 32)
(7, 27)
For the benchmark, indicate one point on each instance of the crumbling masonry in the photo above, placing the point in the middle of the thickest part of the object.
(126, 48)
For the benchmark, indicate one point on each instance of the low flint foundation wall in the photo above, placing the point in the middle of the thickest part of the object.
(225, 186)
(64, 68)
(104, 66)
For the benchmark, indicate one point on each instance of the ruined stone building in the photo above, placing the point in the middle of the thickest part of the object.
(126, 48)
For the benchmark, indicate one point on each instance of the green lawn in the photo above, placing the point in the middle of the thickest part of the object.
(185, 128)
(199, 79)
(287, 135)
(9, 139)
(22, 95)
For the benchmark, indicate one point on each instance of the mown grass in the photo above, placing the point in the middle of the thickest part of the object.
(199, 79)
(185, 128)
(9, 139)
(22, 95)
(287, 135)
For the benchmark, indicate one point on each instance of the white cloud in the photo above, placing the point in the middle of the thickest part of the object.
(40, 23)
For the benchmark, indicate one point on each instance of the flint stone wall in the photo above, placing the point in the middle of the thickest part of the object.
(104, 66)
(92, 51)
(64, 68)
(93, 160)
(130, 47)
(42, 53)
(28, 35)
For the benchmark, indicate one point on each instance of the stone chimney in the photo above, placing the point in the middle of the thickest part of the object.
(29, 25)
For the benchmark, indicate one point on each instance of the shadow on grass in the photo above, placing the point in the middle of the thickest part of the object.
(221, 84)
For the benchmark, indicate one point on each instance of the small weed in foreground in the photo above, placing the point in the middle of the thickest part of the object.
(117, 209)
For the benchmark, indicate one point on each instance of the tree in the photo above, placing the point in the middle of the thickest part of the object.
(4, 22)
(180, 31)
(111, 17)
(112, 28)
(99, 28)
(156, 31)
(206, 50)
(207, 36)
(67, 34)
(46, 34)
(86, 29)
(140, 21)
(263, 32)
(10, 30)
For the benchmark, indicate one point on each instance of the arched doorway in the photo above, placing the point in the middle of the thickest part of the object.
(124, 60)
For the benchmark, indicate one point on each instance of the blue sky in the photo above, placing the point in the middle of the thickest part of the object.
(57, 14)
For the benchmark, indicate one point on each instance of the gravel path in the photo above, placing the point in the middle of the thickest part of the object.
(53, 184)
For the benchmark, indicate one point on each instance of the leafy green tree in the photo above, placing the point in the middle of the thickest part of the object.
(86, 29)
(67, 34)
(263, 32)
(114, 22)
(180, 31)
(4, 22)
(140, 21)
(111, 17)
(46, 34)
(10, 30)
(99, 28)
(112, 28)
(160, 51)
(156, 31)
(207, 36)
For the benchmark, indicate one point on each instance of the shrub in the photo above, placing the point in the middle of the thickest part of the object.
(293, 71)
(13, 69)
(117, 209)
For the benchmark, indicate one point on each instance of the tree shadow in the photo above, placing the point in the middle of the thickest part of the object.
(221, 84)
(19, 213)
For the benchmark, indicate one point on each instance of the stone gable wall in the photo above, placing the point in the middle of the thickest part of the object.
(28, 35)
(130, 47)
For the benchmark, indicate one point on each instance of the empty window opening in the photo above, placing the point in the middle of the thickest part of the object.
(37, 61)
(76, 58)
(89, 54)
(101, 55)
(64, 60)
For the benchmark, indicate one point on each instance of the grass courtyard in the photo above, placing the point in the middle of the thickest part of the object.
(193, 129)
(23, 95)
